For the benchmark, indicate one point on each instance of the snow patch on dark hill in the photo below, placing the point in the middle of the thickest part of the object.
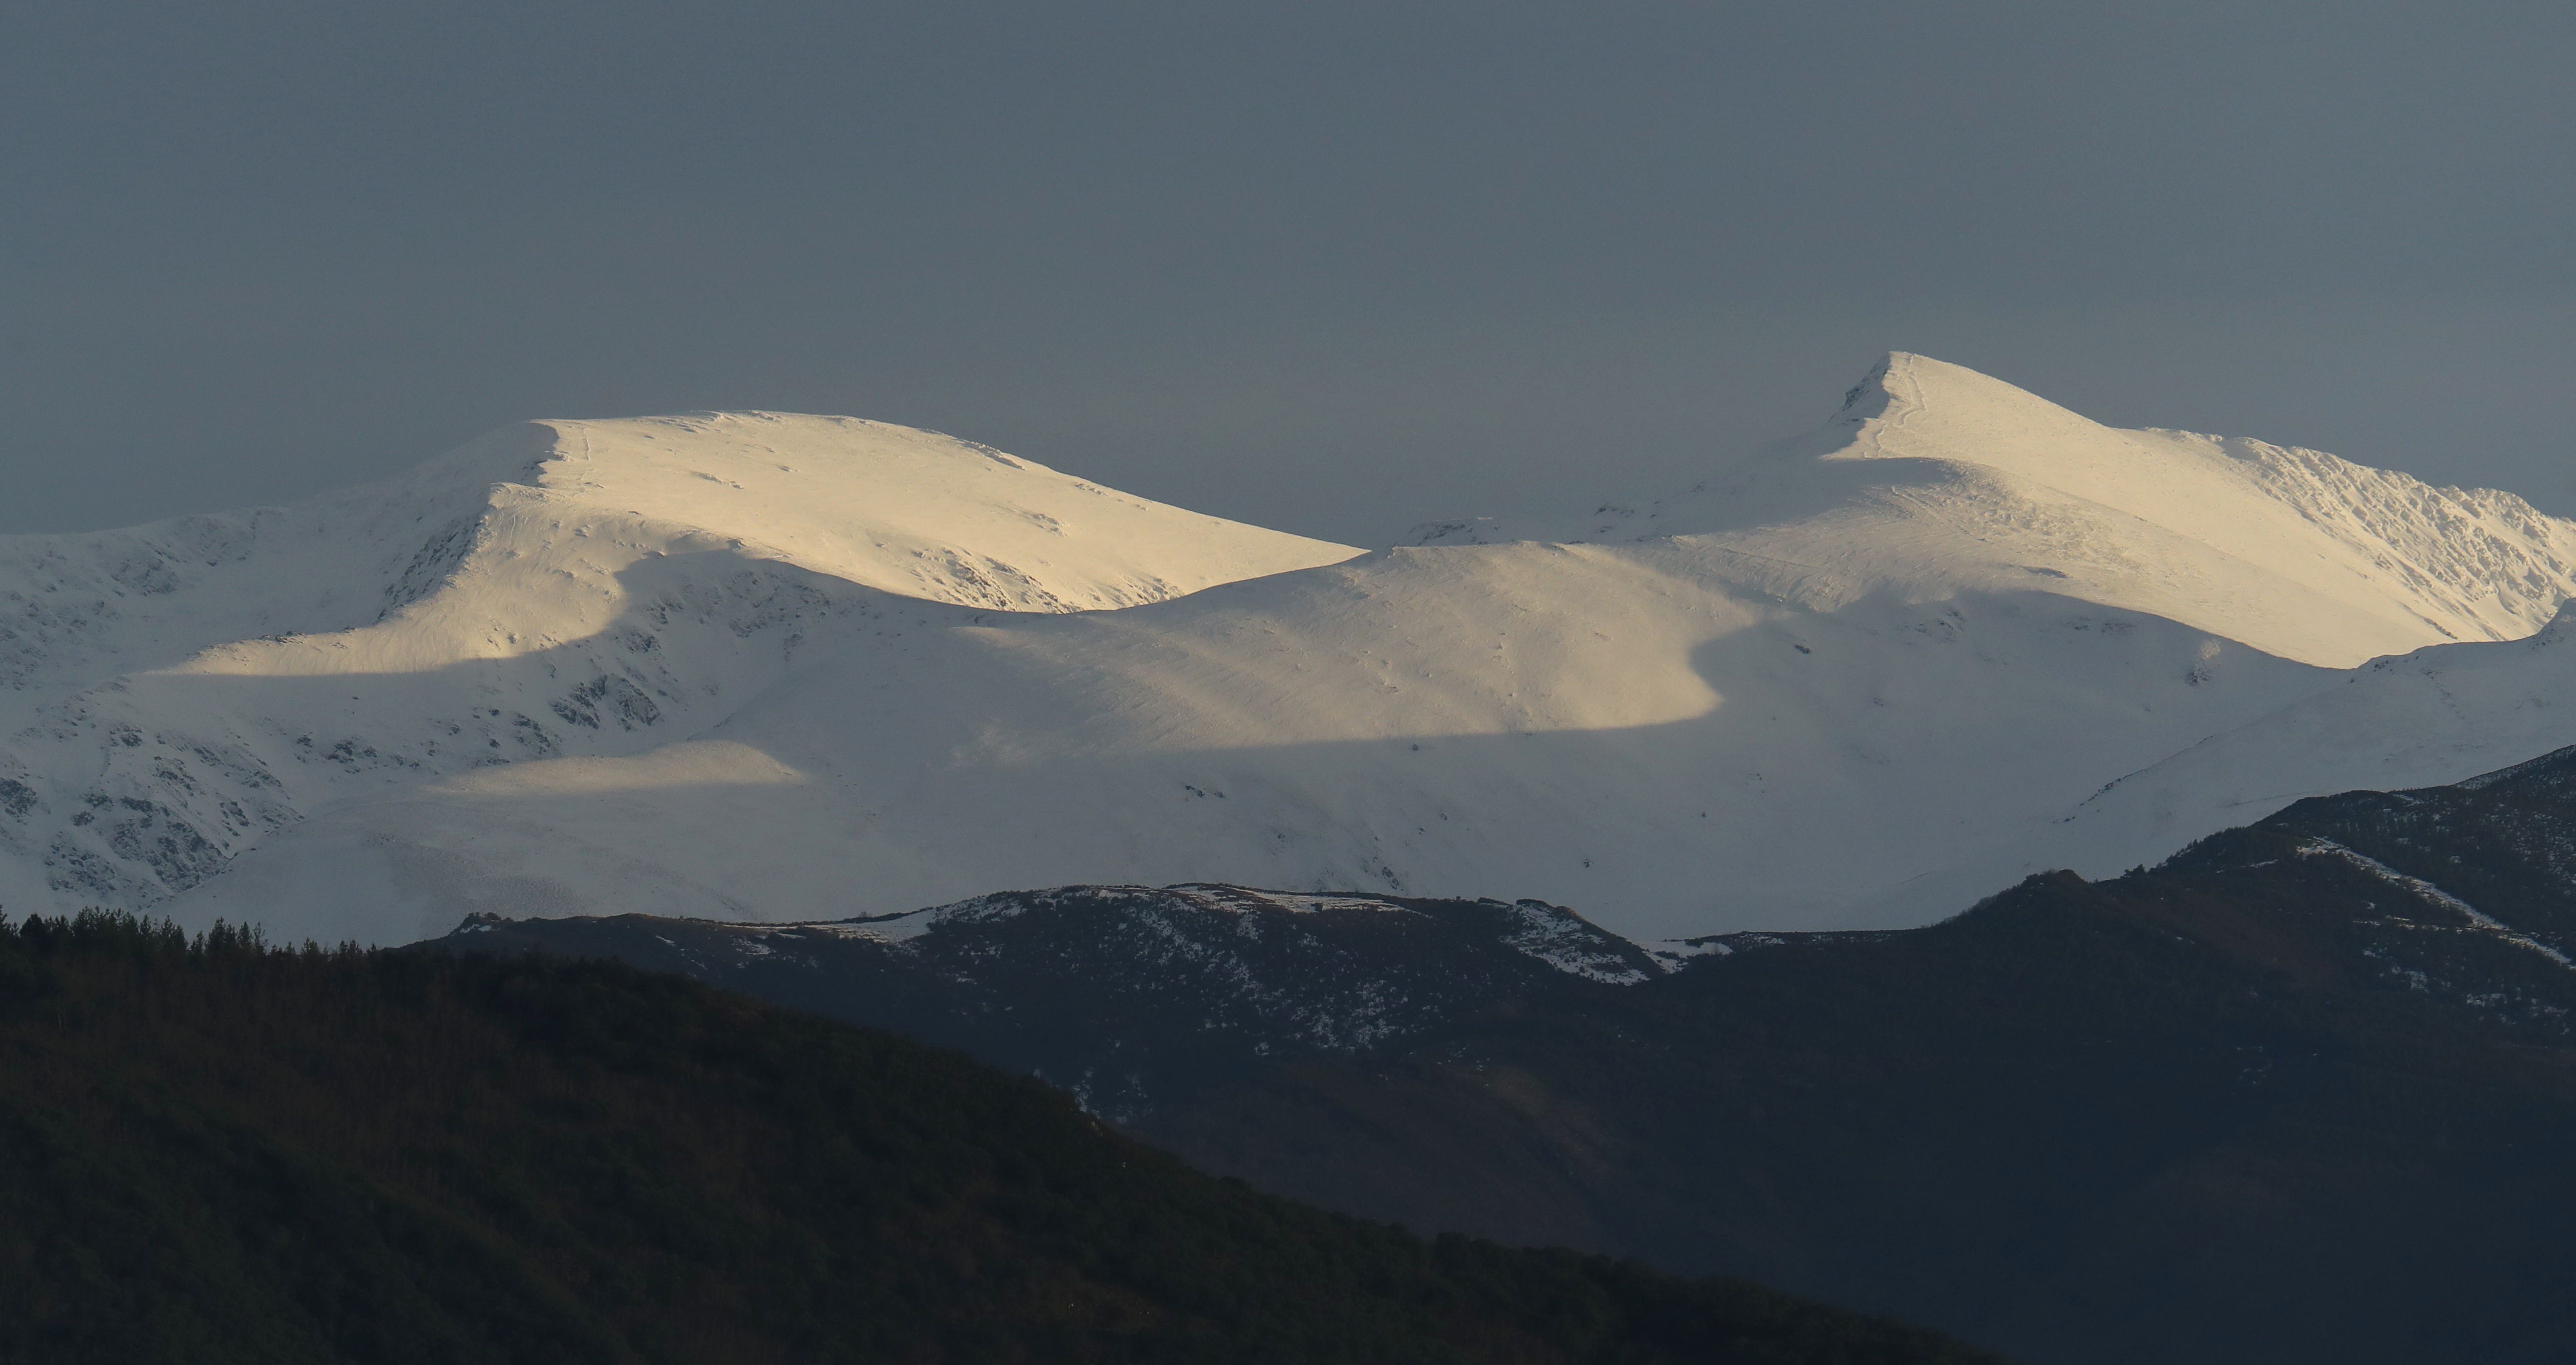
(1129, 995)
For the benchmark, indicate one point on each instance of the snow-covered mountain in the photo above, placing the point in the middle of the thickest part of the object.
(2440, 714)
(179, 693)
(786, 668)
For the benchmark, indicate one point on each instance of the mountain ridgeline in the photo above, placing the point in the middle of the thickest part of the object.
(772, 667)
(2304, 1092)
(1129, 997)
(732, 695)
(215, 1152)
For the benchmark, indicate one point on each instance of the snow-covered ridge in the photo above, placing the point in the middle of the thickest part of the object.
(766, 667)
(1548, 934)
(909, 513)
(174, 694)
(1935, 477)
(2479, 921)
(1132, 997)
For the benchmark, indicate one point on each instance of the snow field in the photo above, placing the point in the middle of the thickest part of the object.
(762, 667)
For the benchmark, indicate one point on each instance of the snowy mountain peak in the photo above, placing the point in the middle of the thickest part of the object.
(909, 512)
(1934, 479)
(1902, 383)
(1869, 396)
(768, 666)
(2291, 550)
(172, 695)
(544, 532)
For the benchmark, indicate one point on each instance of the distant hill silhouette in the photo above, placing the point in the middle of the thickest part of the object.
(2307, 1092)
(213, 1152)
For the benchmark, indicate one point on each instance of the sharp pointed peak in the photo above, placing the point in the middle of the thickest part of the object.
(1909, 381)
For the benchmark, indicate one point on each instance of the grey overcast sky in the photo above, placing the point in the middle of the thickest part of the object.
(1333, 267)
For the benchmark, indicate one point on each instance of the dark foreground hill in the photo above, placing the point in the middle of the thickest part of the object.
(220, 1153)
(2305, 1093)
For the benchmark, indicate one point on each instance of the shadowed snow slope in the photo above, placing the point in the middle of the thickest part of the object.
(782, 668)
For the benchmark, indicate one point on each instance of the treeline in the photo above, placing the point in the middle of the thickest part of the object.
(215, 1150)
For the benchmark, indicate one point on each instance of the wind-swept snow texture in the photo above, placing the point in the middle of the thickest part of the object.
(789, 668)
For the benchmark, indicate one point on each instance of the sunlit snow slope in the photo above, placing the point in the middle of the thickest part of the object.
(1936, 477)
(702, 666)
(178, 693)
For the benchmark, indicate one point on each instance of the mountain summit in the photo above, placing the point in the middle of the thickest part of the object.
(769, 667)
(1934, 477)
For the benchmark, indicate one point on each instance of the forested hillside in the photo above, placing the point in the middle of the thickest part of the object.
(215, 1152)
